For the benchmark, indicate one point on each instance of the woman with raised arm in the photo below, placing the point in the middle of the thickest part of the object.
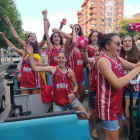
(55, 42)
(29, 78)
(111, 81)
(62, 79)
(31, 37)
(75, 62)
(129, 52)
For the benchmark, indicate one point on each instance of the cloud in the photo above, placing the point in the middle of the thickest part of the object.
(23, 10)
(129, 11)
(37, 26)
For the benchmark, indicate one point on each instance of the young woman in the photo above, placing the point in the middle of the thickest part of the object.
(62, 79)
(110, 82)
(31, 37)
(75, 62)
(93, 84)
(29, 78)
(55, 42)
(129, 52)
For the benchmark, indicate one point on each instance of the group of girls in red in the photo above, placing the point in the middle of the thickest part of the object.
(108, 73)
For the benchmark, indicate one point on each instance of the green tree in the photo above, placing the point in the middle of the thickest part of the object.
(8, 7)
(87, 35)
(124, 25)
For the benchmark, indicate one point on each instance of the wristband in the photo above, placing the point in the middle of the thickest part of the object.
(44, 37)
(18, 38)
(85, 51)
(10, 25)
(44, 19)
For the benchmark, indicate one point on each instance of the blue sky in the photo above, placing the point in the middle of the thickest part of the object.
(32, 19)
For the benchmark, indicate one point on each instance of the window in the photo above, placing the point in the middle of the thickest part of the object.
(119, 15)
(95, 19)
(109, 14)
(100, 25)
(95, 2)
(119, 9)
(109, 3)
(100, 8)
(119, 3)
(100, 2)
(109, 9)
(95, 25)
(100, 14)
(95, 13)
(91, 3)
(108, 19)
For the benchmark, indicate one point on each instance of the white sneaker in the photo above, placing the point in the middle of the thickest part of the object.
(89, 111)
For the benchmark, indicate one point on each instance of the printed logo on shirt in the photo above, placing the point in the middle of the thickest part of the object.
(55, 58)
(27, 69)
(79, 62)
(114, 115)
(62, 86)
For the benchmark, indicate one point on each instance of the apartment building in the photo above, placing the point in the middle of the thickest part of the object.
(100, 15)
(137, 15)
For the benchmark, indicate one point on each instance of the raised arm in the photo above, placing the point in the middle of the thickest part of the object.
(117, 29)
(46, 30)
(61, 25)
(136, 37)
(16, 36)
(33, 64)
(86, 58)
(67, 36)
(19, 51)
(105, 69)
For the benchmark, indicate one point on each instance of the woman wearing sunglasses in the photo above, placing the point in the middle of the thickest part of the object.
(129, 52)
(62, 79)
(111, 81)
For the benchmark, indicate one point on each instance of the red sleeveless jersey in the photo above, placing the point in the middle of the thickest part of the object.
(90, 51)
(136, 86)
(109, 99)
(93, 71)
(61, 87)
(52, 58)
(75, 62)
(29, 78)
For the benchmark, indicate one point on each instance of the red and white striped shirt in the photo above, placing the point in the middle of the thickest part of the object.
(109, 99)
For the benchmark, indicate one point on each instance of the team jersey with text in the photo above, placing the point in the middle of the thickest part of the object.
(90, 51)
(52, 58)
(108, 98)
(61, 87)
(29, 78)
(75, 62)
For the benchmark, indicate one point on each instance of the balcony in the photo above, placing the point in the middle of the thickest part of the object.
(91, 6)
(84, 3)
(91, 17)
(91, 11)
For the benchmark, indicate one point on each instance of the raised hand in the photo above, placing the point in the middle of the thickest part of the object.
(44, 13)
(54, 30)
(71, 26)
(117, 29)
(2, 34)
(29, 49)
(7, 19)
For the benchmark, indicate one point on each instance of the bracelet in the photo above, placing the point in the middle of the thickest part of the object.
(44, 19)
(136, 72)
(84, 51)
(10, 25)
(17, 38)
(44, 37)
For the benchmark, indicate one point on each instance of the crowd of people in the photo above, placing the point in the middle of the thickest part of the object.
(111, 64)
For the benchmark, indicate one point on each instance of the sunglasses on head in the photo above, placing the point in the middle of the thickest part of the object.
(61, 52)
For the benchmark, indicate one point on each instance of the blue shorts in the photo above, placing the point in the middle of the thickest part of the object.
(112, 125)
(88, 72)
(126, 93)
(92, 98)
(72, 106)
(83, 82)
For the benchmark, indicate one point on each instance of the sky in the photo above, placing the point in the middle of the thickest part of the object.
(32, 19)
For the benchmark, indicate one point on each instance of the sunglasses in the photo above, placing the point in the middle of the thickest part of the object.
(77, 29)
(61, 52)
(117, 43)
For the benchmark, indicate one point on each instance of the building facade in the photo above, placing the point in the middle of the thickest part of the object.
(137, 15)
(100, 15)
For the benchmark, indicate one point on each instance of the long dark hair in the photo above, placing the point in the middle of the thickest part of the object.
(89, 40)
(35, 36)
(133, 54)
(61, 40)
(80, 32)
(105, 39)
(35, 47)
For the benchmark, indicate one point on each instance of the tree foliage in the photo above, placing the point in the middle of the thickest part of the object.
(87, 35)
(124, 25)
(8, 7)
